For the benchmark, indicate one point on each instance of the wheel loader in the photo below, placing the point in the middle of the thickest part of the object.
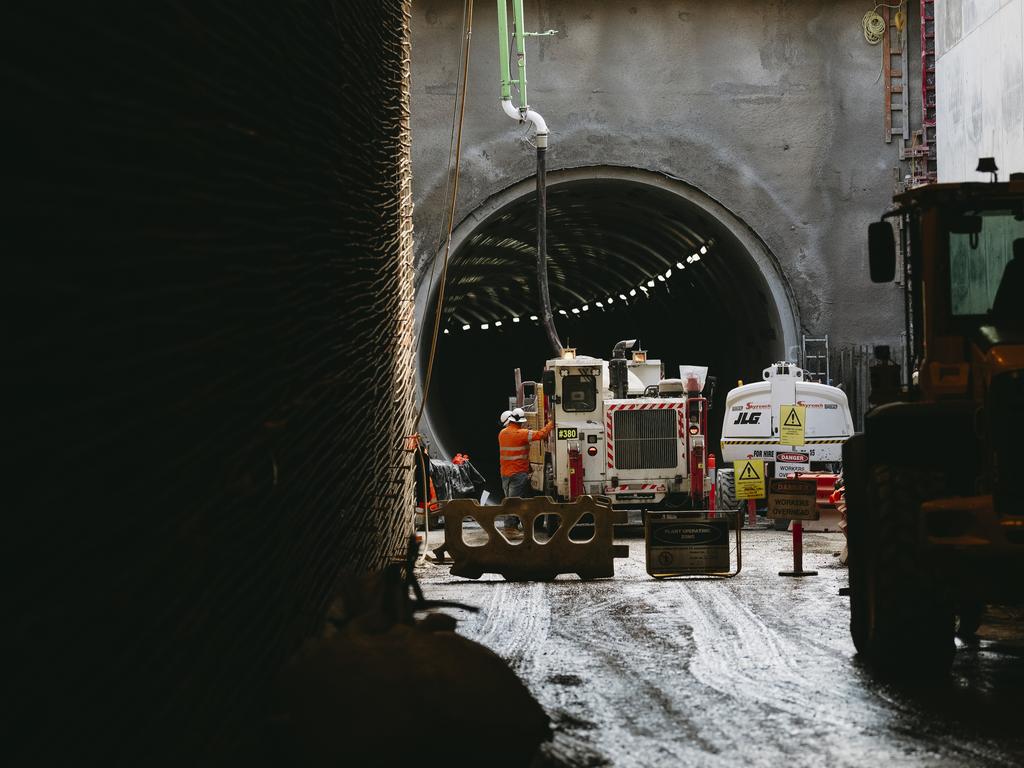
(935, 513)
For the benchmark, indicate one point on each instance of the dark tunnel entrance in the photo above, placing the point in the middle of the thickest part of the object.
(631, 255)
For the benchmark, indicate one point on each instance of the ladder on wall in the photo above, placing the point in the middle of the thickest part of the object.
(921, 153)
(815, 359)
(894, 71)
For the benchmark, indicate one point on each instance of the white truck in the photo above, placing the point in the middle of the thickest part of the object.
(621, 430)
(750, 428)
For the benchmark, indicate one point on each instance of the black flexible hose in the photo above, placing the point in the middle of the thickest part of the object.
(542, 253)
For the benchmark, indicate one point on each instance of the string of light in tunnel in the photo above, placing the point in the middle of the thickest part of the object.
(644, 287)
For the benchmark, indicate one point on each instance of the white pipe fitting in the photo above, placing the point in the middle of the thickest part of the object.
(539, 126)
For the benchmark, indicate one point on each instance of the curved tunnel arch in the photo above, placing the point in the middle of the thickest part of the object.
(610, 231)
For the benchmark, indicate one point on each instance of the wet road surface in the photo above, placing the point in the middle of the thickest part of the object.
(757, 671)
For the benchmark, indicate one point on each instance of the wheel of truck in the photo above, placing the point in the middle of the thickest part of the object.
(725, 497)
(900, 619)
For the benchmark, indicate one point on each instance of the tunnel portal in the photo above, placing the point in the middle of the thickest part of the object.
(631, 255)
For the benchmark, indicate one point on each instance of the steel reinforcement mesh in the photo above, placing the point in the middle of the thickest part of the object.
(208, 366)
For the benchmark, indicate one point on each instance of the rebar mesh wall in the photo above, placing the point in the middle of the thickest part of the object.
(207, 287)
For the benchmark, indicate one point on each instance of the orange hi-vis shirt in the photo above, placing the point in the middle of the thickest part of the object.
(514, 446)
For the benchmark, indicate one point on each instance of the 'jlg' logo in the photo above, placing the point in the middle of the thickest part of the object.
(748, 418)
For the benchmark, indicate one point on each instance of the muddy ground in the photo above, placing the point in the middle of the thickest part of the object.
(756, 671)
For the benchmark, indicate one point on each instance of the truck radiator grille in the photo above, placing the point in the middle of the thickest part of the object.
(645, 439)
(1006, 409)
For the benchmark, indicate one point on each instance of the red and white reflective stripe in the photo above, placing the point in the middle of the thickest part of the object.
(636, 487)
(608, 441)
(645, 406)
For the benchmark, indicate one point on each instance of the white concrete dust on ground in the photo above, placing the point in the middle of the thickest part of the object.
(758, 670)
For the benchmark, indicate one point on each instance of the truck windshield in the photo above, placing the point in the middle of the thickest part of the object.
(976, 262)
(579, 393)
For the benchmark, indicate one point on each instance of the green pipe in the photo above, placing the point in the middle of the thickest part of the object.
(506, 86)
(517, 9)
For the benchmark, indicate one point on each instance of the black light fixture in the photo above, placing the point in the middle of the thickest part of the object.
(988, 165)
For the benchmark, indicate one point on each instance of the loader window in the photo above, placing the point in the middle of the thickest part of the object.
(977, 261)
(579, 393)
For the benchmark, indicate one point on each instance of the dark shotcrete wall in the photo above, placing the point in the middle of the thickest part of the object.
(207, 251)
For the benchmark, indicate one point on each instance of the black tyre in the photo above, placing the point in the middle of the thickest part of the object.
(900, 617)
(725, 496)
(779, 524)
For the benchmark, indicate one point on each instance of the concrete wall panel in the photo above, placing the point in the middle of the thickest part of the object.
(771, 108)
(979, 87)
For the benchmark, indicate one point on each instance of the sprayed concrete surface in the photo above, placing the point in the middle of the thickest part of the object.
(758, 670)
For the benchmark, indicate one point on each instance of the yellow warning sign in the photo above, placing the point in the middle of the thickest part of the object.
(749, 475)
(792, 419)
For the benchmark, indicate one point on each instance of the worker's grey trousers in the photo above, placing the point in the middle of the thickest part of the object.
(516, 485)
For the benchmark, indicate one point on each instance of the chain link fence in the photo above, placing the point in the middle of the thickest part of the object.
(851, 371)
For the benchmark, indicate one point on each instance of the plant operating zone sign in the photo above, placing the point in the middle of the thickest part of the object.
(684, 547)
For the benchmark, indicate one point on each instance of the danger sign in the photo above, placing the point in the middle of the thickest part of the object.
(793, 500)
(749, 475)
(792, 419)
(791, 463)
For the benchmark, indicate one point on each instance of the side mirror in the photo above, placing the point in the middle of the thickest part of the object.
(548, 379)
(881, 252)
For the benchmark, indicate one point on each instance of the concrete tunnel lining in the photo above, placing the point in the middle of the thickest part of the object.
(739, 283)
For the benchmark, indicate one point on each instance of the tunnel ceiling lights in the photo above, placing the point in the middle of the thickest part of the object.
(576, 311)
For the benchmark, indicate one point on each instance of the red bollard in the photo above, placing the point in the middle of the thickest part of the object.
(714, 484)
(798, 553)
(751, 512)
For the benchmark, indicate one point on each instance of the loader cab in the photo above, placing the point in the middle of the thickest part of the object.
(937, 472)
(960, 258)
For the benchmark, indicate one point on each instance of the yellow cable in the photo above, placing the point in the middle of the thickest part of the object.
(874, 24)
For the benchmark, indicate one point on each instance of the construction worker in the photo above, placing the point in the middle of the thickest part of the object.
(514, 449)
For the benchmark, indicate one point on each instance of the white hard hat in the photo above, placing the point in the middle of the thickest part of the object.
(519, 415)
(505, 416)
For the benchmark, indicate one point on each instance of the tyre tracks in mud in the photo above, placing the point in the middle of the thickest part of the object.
(758, 670)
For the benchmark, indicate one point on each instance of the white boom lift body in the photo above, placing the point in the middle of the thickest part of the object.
(750, 428)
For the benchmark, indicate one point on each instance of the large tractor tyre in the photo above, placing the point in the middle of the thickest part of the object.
(856, 476)
(901, 619)
(725, 496)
